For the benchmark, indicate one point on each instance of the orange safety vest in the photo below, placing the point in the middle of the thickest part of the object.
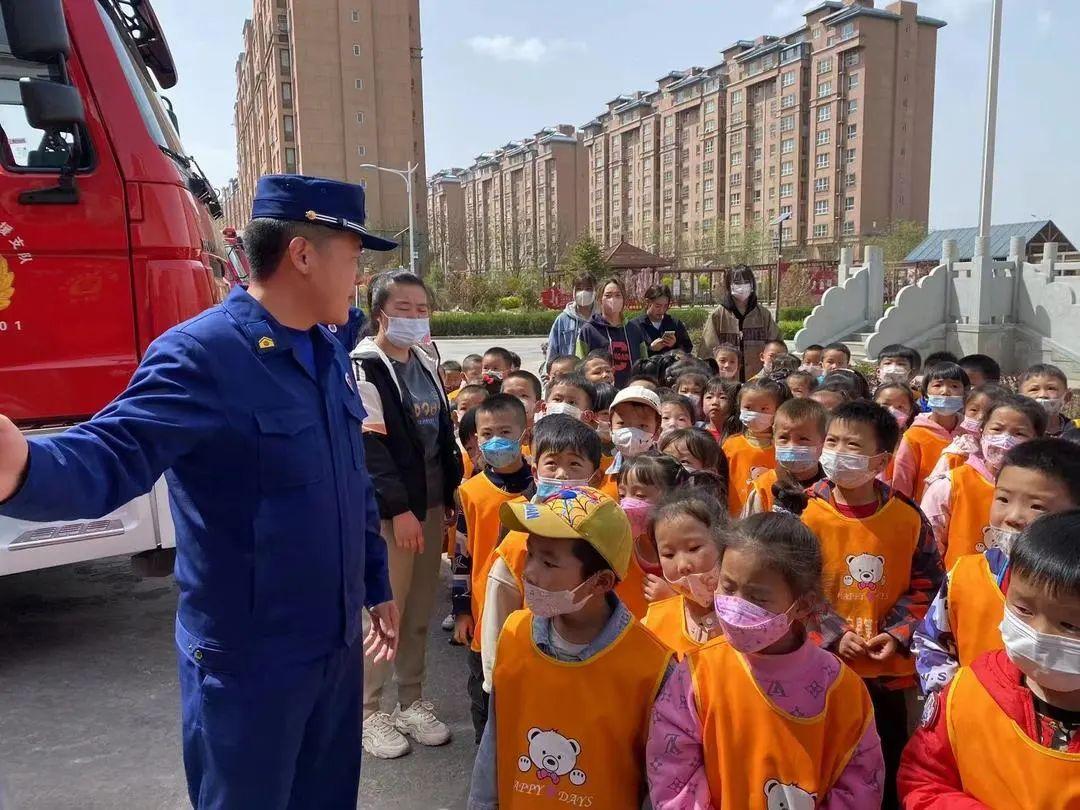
(572, 734)
(631, 589)
(928, 447)
(969, 513)
(513, 550)
(867, 568)
(480, 501)
(999, 764)
(756, 754)
(763, 489)
(742, 458)
(667, 620)
(976, 606)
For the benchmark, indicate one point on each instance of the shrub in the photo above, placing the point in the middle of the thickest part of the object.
(510, 302)
(789, 328)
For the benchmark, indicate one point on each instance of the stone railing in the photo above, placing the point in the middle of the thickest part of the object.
(852, 305)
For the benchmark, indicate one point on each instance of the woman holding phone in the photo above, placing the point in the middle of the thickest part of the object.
(662, 332)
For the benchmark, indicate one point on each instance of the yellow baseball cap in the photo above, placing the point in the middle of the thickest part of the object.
(577, 513)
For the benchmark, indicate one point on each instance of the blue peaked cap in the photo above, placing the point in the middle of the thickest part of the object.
(297, 198)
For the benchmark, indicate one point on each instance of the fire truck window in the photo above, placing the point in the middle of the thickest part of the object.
(21, 145)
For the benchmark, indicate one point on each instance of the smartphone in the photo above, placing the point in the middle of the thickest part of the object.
(670, 335)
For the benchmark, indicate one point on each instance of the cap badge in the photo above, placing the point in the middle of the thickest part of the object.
(311, 215)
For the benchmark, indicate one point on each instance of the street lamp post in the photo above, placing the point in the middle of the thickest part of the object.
(407, 176)
(990, 134)
(779, 223)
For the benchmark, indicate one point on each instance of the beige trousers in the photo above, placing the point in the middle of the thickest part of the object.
(414, 581)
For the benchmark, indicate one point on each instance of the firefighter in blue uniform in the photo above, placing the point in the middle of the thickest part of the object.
(251, 412)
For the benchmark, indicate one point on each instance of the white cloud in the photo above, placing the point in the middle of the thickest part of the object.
(507, 48)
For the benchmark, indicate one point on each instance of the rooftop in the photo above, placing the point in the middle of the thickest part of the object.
(1035, 231)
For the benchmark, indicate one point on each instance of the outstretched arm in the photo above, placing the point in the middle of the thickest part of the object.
(171, 405)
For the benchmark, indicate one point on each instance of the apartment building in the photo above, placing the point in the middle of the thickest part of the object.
(446, 219)
(325, 86)
(832, 125)
(524, 203)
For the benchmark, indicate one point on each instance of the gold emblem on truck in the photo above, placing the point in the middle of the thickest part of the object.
(7, 284)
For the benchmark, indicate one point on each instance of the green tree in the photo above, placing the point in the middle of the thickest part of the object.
(899, 240)
(585, 256)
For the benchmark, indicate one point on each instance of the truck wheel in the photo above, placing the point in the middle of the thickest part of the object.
(157, 562)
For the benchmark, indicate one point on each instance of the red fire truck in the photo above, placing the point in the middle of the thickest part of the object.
(106, 240)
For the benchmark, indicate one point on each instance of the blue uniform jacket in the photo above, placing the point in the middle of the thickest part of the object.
(277, 529)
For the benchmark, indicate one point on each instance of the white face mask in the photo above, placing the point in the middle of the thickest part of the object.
(893, 373)
(631, 441)
(407, 332)
(549, 604)
(552, 408)
(584, 298)
(755, 420)
(995, 537)
(1052, 405)
(847, 469)
(1052, 661)
(741, 291)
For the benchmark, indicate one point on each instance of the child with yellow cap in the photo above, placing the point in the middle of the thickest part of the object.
(575, 674)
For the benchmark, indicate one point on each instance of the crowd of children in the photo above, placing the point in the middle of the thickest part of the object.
(702, 593)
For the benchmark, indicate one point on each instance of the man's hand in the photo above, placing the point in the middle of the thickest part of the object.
(408, 533)
(656, 588)
(882, 647)
(463, 629)
(659, 344)
(852, 646)
(14, 453)
(381, 642)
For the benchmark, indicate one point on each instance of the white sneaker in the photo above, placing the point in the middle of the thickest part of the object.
(381, 739)
(448, 623)
(420, 723)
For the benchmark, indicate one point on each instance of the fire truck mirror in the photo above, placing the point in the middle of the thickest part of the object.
(49, 105)
(36, 31)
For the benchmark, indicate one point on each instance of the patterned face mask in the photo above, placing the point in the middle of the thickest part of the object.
(748, 627)
(549, 604)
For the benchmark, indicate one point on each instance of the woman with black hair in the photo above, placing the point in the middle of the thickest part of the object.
(662, 332)
(740, 321)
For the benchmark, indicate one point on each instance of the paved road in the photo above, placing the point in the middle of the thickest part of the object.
(527, 347)
(89, 708)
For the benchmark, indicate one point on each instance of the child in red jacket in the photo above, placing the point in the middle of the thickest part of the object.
(1006, 732)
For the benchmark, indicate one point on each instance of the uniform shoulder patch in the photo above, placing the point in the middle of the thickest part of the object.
(931, 708)
(266, 342)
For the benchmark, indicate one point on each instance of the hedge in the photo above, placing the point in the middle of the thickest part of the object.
(527, 323)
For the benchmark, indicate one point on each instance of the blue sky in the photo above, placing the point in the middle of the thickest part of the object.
(498, 71)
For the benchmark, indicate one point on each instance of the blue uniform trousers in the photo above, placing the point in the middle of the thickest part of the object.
(278, 737)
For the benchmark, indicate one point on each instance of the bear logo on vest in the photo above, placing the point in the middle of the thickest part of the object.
(554, 757)
(865, 572)
(779, 796)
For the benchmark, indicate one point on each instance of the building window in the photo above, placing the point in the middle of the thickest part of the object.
(849, 203)
(824, 66)
(355, 15)
(710, 145)
(355, 50)
(851, 58)
(787, 168)
(290, 127)
(286, 94)
(736, 220)
(824, 113)
(850, 155)
(849, 228)
(853, 106)
(852, 131)
(848, 31)
(821, 208)
(822, 137)
(668, 176)
(787, 146)
(710, 203)
(290, 160)
(361, 151)
(710, 125)
(824, 89)
(851, 180)
(853, 81)
(788, 101)
(708, 186)
(788, 79)
(736, 158)
(785, 209)
(736, 199)
(284, 59)
(708, 167)
(823, 160)
(787, 123)
(821, 184)
(736, 97)
(735, 179)
(736, 139)
(359, 118)
(785, 190)
(359, 84)
(710, 106)
(821, 231)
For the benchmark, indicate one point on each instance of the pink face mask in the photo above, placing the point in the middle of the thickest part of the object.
(749, 628)
(549, 604)
(698, 588)
(638, 512)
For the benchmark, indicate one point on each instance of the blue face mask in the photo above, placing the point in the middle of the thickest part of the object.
(796, 457)
(546, 487)
(946, 406)
(500, 451)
